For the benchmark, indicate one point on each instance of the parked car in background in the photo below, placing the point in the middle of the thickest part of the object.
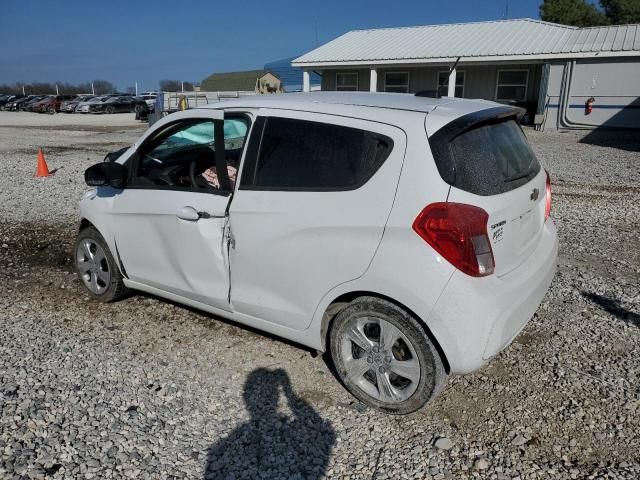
(119, 104)
(36, 106)
(26, 105)
(4, 99)
(83, 107)
(69, 106)
(51, 104)
(150, 99)
(14, 104)
(409, 237)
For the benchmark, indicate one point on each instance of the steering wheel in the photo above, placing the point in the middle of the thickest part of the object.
(194, 179)
(162, 178)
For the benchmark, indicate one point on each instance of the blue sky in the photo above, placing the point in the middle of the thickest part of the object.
(128, 41)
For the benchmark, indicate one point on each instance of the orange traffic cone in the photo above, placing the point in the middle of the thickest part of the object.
(42, 170)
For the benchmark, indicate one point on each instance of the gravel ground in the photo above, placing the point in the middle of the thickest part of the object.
(30, 119)
(149, 389)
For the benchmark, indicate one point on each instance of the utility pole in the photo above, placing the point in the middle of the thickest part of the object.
(182, 86)
(93, 90)
(506, 10)
(136, 89)
(57, 91)
(23, 90)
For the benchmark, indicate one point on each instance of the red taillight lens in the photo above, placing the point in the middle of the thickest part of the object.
(458, 232)
(547, 204)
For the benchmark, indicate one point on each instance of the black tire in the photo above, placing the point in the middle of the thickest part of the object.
(110, 109)
(432, 376)
(116, 288)
(51, 110)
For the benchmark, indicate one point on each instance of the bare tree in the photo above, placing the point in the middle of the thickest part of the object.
(49, 88)
(175, 86)
(103, 86)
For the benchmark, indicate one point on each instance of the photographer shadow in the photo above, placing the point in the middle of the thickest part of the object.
(272, 444)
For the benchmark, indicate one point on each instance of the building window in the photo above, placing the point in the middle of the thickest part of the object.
(443, 84)
(512, 85)
(346, 82)
(397, 82)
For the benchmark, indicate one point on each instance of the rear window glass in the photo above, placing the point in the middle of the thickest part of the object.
(305, 155)
(487, 159)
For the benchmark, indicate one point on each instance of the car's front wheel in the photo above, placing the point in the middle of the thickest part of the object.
(384, 357)
(97, 268)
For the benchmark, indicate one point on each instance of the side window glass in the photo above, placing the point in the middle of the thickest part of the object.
(235, 132)
(235, 135)
(305, 155)
(182, 156)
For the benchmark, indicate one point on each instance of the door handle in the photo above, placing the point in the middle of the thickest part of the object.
(192, 215)
(188, 213)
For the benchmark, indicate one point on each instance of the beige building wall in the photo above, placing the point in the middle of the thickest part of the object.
(269, 83)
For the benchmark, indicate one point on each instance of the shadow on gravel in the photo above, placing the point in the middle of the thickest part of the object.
(38, 245)
(623, 139)
(271, 444)
(614, 308)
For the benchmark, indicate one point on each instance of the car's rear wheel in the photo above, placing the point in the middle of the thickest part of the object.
(384, 357)
(110, 109)
(97, 268)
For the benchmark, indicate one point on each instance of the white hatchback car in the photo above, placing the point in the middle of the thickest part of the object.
(410, 237)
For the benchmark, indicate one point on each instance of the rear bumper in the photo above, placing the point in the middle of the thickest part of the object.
(482, 316)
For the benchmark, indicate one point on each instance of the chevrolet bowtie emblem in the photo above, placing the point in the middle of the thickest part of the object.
(534, 194)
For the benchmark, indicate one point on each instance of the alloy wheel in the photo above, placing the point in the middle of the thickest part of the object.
(380, 359)
(93, 266)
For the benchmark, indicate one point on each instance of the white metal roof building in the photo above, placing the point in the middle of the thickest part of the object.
(525, 62)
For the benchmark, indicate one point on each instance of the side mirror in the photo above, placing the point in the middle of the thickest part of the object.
(113, 174)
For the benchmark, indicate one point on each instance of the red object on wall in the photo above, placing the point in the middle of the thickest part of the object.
(588, 106)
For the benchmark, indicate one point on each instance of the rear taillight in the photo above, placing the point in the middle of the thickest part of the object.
(458, 232)
(547, 199)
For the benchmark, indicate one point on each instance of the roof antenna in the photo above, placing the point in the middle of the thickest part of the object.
(436, 93)
(455, 64)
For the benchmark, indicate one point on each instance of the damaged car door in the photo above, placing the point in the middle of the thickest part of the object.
(170, 222)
